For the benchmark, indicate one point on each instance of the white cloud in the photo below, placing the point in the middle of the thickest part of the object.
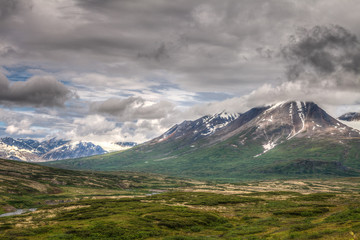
(22, 127)
(92, 125)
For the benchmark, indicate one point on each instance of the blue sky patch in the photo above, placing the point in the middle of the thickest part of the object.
(19, 73)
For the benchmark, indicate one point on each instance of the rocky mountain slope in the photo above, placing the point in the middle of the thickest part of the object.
(296, 138)
(196, 130)
(53, 149)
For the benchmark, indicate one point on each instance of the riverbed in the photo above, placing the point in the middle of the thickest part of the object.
(18, 212)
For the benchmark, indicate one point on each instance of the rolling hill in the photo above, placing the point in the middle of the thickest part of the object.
(27, 185)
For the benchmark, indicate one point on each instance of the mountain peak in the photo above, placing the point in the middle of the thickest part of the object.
(298, 103)
(302, 116)
(225, 115)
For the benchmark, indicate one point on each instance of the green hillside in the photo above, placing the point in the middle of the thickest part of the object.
(231, 161)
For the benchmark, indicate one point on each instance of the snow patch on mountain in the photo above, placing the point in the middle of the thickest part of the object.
(199, 128)
(267, 147)
(300, 112)
(218, 121)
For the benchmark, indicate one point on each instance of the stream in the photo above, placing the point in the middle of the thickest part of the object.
(18, 212)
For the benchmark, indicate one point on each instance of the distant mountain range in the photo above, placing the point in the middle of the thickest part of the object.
(351, 116)
(54, 149)
(292, 139)
(126, 144)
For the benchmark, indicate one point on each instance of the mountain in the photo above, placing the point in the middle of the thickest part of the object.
(264, 142)
(195, 130)
(73, 150)
(126, 144)
(53, 149)
(351, 116)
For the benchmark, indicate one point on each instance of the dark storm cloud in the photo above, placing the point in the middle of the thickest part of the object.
(135, 7)
(115, 106)
(132, 108)
(8, 8)
(36, 91)
(159, 54)
(322, 50)
(201, 43)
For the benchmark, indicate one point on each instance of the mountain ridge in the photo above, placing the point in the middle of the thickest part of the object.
(350, 116)
(53, 149)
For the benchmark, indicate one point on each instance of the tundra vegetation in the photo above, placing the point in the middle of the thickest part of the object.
(123, 205)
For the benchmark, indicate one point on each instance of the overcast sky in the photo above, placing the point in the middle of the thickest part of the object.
(125, 70)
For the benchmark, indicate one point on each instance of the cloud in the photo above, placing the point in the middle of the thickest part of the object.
(43, 91)
(202, 45)
(159, 54)
(20, 128)
(330, 98)
(324, 52)
(9, 8)
(142, 130)
(97, 128)
(92, 125)
(132, 108)
(24, 125)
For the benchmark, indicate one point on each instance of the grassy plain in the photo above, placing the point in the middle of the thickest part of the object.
(124, 205)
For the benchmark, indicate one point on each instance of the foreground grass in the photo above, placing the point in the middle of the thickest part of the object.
(26, 185)
(93, 205)
(195, 215)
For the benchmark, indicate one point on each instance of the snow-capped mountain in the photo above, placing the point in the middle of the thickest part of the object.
(73, 150)
(53, 149)
(351, 119)
(270, 125)
(275, 123)
(286, 120)
(351, 116)
(285, 138)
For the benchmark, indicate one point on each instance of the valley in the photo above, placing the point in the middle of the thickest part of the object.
(286, 171)
(179, 120)
(123, 205)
